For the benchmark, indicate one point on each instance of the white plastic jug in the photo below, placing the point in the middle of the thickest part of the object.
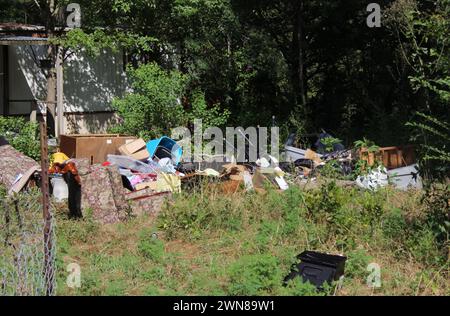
(60, 189)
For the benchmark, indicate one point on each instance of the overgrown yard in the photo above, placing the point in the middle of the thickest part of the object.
(205, 243)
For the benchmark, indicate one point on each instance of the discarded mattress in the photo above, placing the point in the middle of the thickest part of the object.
(16, 169)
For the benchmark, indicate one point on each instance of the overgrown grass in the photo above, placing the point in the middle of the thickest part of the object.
(207, 243)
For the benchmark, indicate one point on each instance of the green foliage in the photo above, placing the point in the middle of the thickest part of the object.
(297, 287)
(366, 144)
(361, 166)
(151, 247)
(329, 143)
(193, 213)
(356, 264)
(95, 42)
(245, 244)
(394, 224)
(153, 109)
(432, 135)
(325, 202)
(254, 275)
(436, 202)
(22, 135)
(210, 116)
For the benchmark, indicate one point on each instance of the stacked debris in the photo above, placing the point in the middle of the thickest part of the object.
(134, 181)
(128, 176)
(395, 165)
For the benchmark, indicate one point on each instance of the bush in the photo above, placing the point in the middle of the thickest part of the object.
(192, 214)
(394, 224)
(436, 203)
(22, 135)
(154, 106)
(254, 275)
(210, 116)
(357, 263)
(325, 202)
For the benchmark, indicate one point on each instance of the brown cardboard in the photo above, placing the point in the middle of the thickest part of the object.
(136, 149)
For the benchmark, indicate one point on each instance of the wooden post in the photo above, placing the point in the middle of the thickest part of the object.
(48, 264)
(5, 80)
(60, 93)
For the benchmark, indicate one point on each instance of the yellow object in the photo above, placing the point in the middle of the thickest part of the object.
(168, 182)
(165, 183)
(59, 158)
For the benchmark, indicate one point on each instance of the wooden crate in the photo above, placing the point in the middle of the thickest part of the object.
(391, 157)
(94, 147)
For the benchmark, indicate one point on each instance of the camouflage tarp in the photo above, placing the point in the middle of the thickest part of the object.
(103, 194)
(146, 202)
(13, 164)
(83, 165)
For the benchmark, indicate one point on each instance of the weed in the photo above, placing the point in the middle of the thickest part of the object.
(356, 264)
(254, 275)
(150, 247)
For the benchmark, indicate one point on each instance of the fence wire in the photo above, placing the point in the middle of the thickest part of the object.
(27, 262)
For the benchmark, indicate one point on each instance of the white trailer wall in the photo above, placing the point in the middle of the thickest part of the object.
(90, 84)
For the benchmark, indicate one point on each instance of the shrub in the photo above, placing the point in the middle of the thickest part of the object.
(394, 224)
(436, 203)
(432, 136)
(254, 275)
(210, 116)
(191, 214)
(297, 287)
(153, 108)
(22, 135)
(356, 264)
(423, 246)
(326, 201)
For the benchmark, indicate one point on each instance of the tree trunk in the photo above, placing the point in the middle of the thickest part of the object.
(298, 56)
(51, 93)
(51, 73)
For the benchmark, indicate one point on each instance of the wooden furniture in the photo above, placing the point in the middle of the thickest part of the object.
(391, 157)
(95, 147)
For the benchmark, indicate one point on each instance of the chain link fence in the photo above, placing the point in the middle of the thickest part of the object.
(27, 246)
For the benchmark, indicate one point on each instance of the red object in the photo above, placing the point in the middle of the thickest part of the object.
(65, 168)
(106, 164)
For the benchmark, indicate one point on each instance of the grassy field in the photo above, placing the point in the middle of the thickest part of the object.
(206, 243)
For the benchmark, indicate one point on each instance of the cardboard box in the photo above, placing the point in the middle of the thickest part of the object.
(136, 149)
(94, 147)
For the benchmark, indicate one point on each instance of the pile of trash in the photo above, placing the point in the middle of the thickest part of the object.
(140, 175)
(396, 165)
(138, 178)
